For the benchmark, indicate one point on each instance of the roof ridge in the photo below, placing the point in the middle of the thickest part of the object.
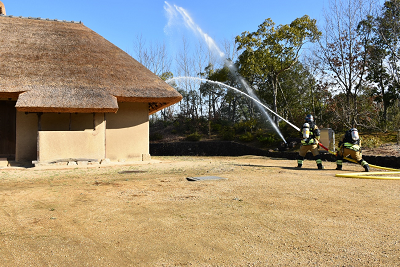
(39, 18)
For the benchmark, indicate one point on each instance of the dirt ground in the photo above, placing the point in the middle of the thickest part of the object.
(263, 213)
(383, 150)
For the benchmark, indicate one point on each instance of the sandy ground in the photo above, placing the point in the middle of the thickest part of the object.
(264, 213)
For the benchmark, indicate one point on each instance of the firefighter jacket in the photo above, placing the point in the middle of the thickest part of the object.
(348, 142)
(313, 136)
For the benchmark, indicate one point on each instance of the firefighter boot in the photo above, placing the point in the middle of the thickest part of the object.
(299, 161)
(366, 167)
(339, 163)
(319, 162)
(364, 164)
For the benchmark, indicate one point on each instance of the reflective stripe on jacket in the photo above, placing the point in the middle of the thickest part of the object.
(309, 141)
(352, 146)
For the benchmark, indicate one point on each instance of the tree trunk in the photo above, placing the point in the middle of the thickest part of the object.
(275, 99)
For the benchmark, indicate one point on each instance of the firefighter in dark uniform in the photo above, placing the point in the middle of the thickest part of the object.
(350, 145)
(311, 135)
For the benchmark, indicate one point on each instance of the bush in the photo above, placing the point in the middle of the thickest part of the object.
(266, 140)
(371, 142)
(227, 134)
(246, 137)
(215, 127)
(193, 137)
(156, 137)
(245, 126)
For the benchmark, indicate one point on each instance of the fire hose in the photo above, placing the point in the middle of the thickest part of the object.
(369, 175)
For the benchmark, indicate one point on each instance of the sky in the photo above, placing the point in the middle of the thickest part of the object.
(122, 21)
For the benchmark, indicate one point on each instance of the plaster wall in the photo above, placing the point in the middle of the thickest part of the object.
(88, 144)
(125, 136)
(127, 133)
(26, 137)
(27, 134)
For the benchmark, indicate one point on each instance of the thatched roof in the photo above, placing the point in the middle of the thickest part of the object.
(2, 9)
(58, 66)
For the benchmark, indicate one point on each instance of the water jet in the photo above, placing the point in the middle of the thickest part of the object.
(189, 22)
(256, 100)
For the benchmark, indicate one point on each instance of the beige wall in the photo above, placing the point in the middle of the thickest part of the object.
(26, 137)
(88, 144)
(122, 136)
(127, 134)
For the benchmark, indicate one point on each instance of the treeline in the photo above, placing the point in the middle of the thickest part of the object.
(344, 70)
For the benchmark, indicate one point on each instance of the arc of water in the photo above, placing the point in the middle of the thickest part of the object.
(250, 92)
(237, 90)
(195, 28)
(189, 22)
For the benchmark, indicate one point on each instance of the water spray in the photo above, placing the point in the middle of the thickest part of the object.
(172, 12)
(253, 96)
(235, 89)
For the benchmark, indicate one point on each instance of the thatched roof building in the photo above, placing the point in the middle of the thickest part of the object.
(60, 66)
(58, 79)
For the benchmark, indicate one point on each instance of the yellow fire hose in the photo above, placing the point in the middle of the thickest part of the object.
(369, 175)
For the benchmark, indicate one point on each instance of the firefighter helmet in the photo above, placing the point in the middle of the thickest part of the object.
(309, 118)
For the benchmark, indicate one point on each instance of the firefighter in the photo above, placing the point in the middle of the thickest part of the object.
(350, 145)
(311, 135)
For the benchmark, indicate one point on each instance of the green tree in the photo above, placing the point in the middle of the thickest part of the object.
(224, 103)
(270, 51)
(301, 93)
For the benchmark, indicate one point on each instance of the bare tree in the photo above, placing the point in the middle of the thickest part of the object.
(185, 68)
(343, 53)
(230, 49)
(155, 57)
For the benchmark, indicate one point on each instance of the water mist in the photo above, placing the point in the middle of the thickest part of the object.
(173, 12)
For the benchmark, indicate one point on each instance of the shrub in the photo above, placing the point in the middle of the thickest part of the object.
(156, 137)
(215, 127)
(227, 134)
(246, 137)
(266, 140)
(193, 137)
(245, 126)
(371, 142)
